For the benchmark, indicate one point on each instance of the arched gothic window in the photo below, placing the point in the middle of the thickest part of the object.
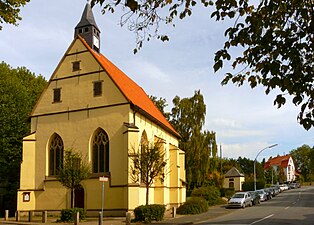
(100, 152)
(55, 155)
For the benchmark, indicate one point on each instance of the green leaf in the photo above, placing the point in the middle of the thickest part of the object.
(218, 65)
(132, 4)
(297, 100)
(280, 100)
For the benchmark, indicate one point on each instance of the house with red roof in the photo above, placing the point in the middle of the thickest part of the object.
(92, 107)
(286, 163)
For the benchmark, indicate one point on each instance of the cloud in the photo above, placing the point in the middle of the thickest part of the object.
(248, 150)
(150, 72)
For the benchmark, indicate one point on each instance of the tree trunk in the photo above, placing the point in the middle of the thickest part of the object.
(73, 198)
(147, 194)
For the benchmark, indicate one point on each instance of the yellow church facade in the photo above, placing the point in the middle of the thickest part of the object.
(92, 107)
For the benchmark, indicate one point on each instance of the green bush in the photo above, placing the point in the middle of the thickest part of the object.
(67, 215)
(148, 213)
(227, 192)
(210, 193)
(194, 205)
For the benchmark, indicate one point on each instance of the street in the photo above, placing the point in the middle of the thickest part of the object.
(290, 207)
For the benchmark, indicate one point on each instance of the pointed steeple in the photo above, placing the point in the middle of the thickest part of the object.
(88, 29)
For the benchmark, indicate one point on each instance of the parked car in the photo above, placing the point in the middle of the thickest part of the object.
(256, 199)
(295, 185)
(262, 195)
(283, 187)
(269, 193)
(276, 189)
(240, 199)
(272, 191)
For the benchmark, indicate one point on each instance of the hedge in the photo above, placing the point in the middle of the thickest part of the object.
(193, 205)
(210, 193)
(67, 215)
(227, 192)
(148, 213)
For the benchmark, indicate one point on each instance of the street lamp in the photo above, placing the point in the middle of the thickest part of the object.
(271, 146)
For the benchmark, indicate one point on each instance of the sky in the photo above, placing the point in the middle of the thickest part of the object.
(244, 119)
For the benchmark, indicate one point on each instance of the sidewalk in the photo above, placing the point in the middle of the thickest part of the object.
(214, 211)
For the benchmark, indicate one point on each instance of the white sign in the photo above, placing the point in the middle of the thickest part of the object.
(103, 179)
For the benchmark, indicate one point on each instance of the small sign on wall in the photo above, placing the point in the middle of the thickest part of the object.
(26, 196)
(103, 179)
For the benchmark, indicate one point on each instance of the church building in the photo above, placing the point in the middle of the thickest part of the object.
(92, 107)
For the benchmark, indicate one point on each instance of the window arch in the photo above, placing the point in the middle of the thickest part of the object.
(55, 154)
(100, 154)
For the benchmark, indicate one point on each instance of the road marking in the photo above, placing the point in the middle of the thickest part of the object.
(287, 207)
(257, 221)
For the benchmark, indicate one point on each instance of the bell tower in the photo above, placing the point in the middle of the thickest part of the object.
(88, 29)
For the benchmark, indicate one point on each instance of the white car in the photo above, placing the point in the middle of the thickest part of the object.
(240, 199)
(283, 187)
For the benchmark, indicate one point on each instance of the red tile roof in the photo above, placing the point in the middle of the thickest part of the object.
(281, 161)
(132, 92)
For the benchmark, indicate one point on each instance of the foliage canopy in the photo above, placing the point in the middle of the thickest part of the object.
(303, 158)
(9, 11)
(187, 116)
(277, 38)
(19, 90)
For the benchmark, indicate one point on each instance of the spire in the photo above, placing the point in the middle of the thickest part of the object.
(87, 17)
(88, 29)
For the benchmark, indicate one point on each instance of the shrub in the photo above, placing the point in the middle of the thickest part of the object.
(148, 213)
(227, 192)
(210, 193)
(67, 215)
(194, 205)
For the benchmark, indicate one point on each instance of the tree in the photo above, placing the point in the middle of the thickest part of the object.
(161, 104)
(227, 164)
(74, 170)
(19, 91)
(281, 175)
(199, 158)
(277, 39)
(246, 165)
(303, 160)
(271, 176)
(188, 116)
(9, 11)
(149, 165)
(311, 176)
